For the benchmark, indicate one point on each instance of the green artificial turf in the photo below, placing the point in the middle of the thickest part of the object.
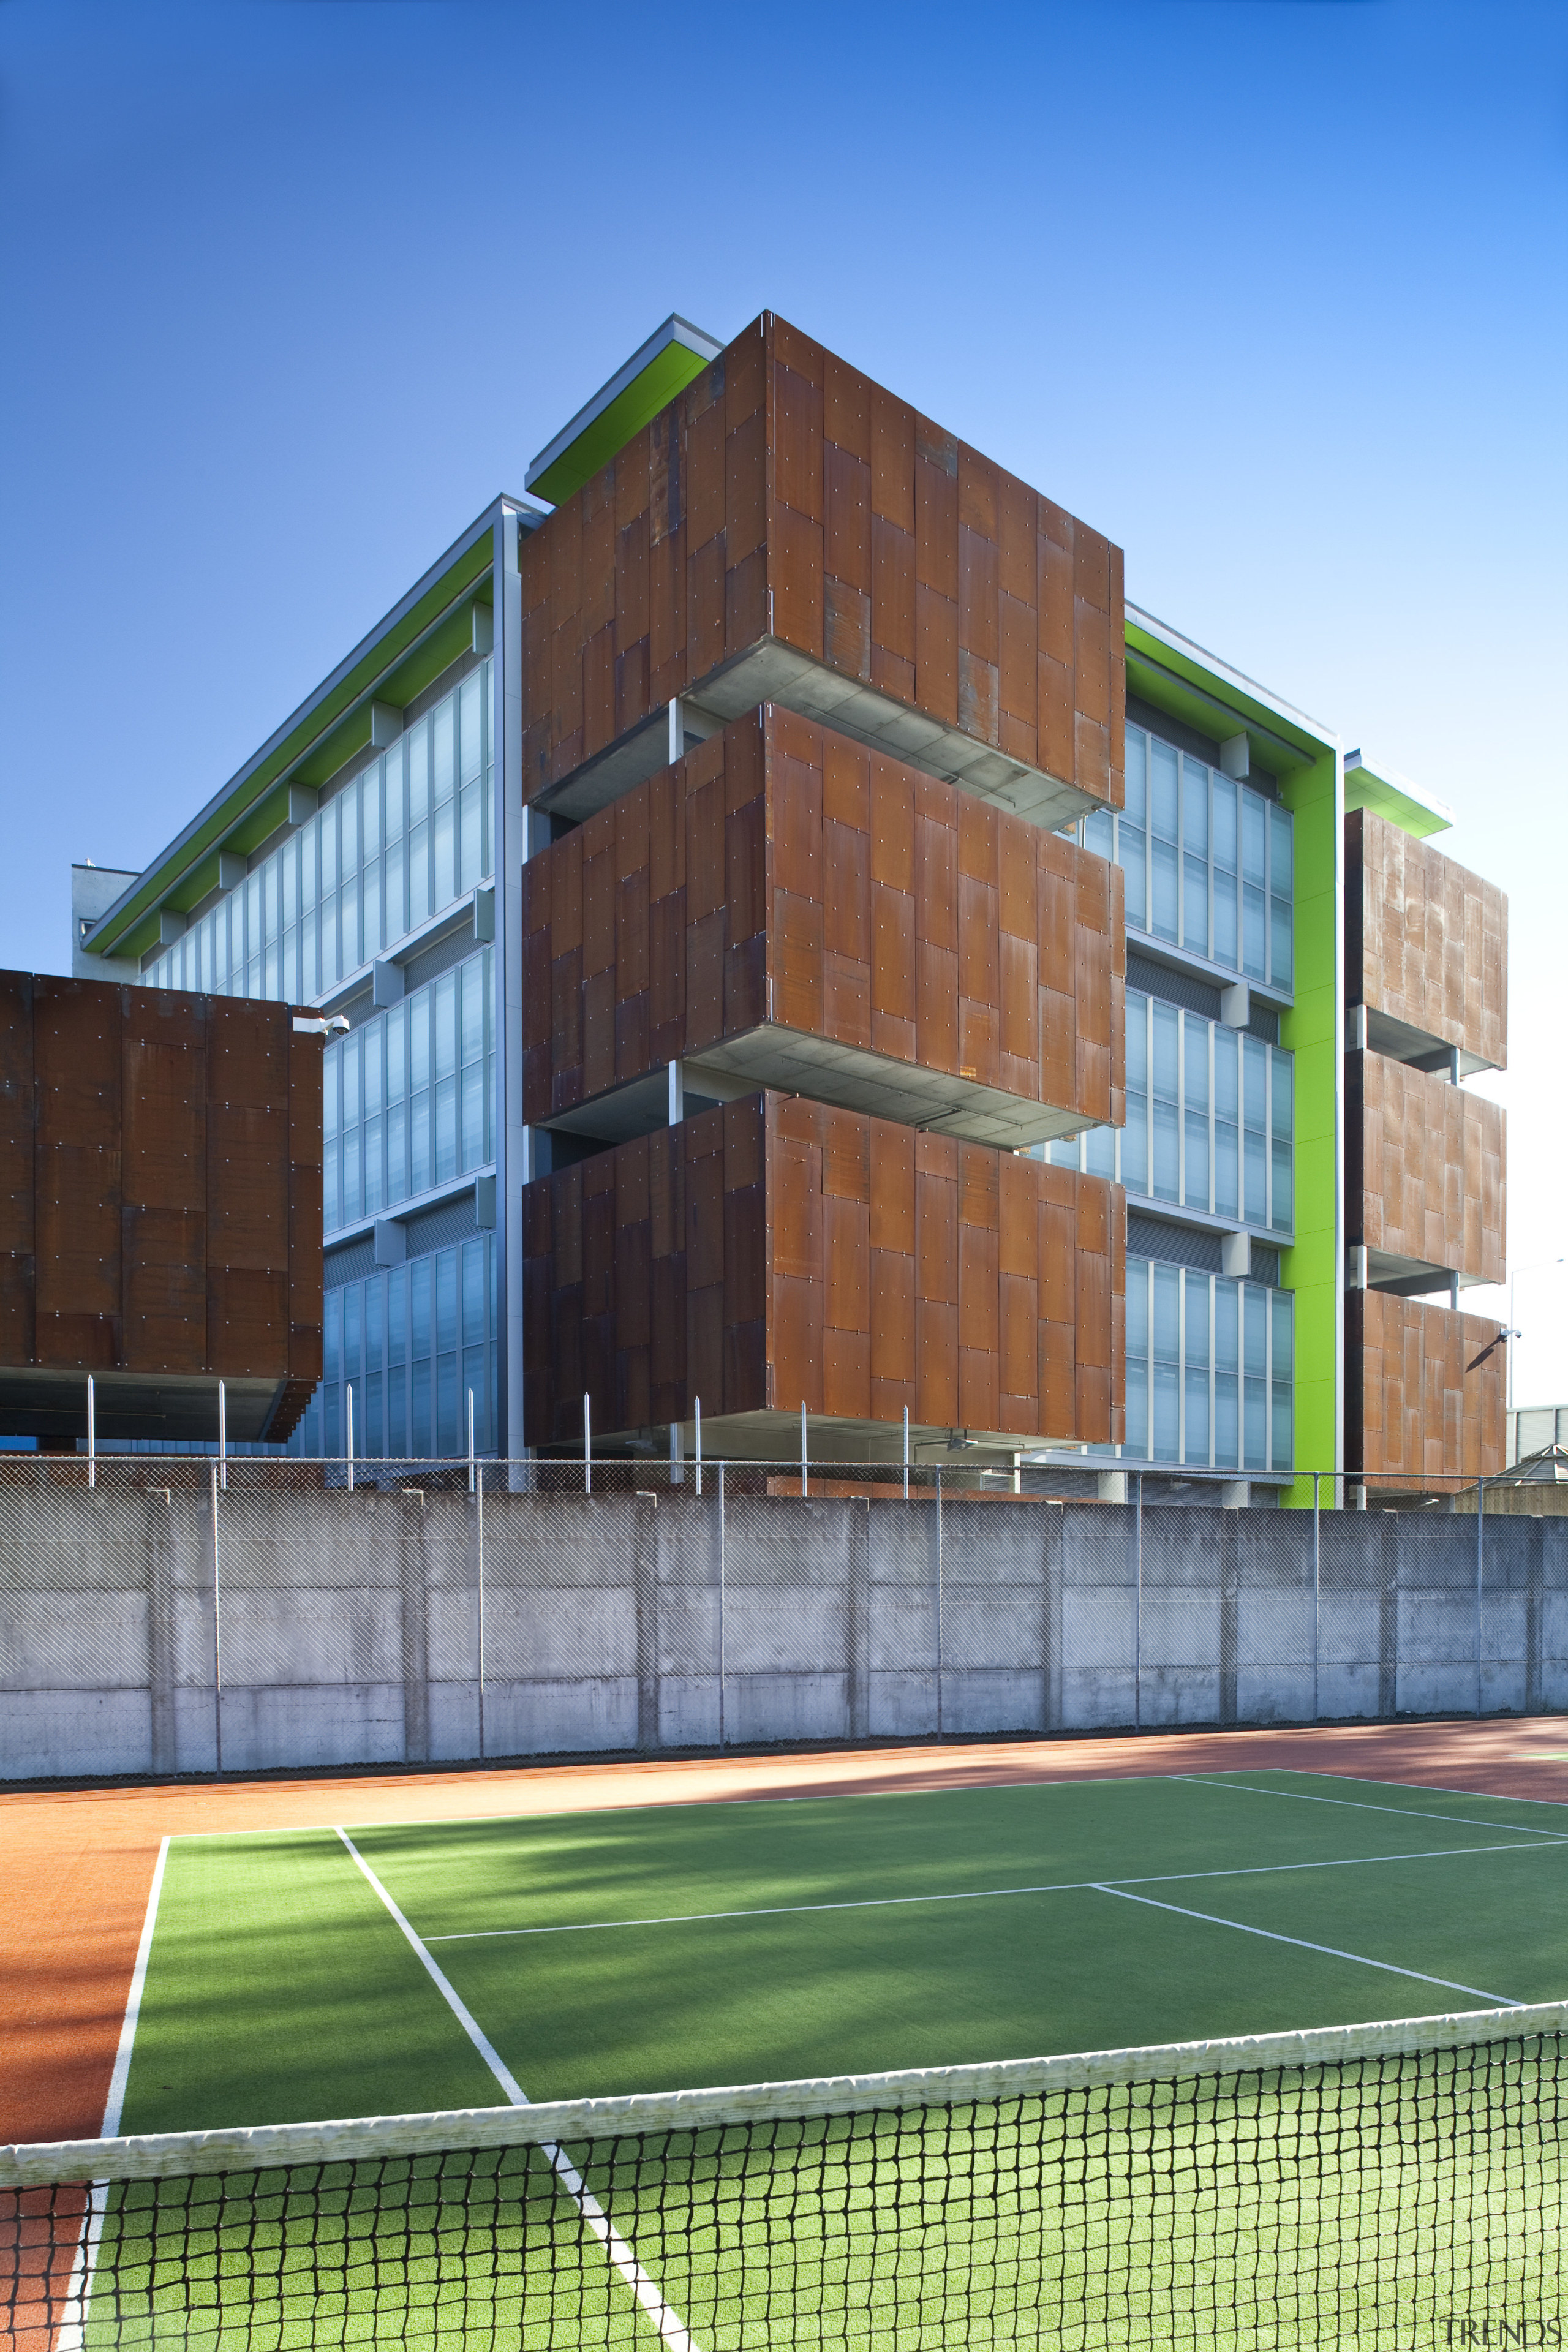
(1368, 2210)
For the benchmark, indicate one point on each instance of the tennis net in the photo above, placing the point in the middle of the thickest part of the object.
(1389, 2185)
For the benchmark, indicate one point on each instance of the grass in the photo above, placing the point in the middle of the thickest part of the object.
(677, 1947)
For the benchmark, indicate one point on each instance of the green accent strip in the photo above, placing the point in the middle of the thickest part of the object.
(1172, 681)
(1365, 790)
(399, 665)
(1312, 1266)
(652, 389)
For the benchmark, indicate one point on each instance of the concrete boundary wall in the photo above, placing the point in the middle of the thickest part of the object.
(147, 1627)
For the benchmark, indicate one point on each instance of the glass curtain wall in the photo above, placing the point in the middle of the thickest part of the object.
(1208, 861)
(408, 1098)
(402, 840)
(1210, 1369)
(412, 1340)
(1210, 1119)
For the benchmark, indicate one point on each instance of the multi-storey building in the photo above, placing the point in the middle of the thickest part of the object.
(812, 950)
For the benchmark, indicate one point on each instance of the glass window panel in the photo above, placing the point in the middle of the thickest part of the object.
(1066, 1152)
(394, 792)
(1137, 1307)
(470, 860)
(1167, 1395)
(1098, 832)
(1256, 1411)
(1279, 832)
(447, 1439)
(1167, 1152)
(1255, 1064)
(289, 854)
(1254, 926)
(419, 1307)
(1167, 1066)
(1166, 884)
(371, 1177)
(350, 901)
(1255, 1327)
(333, 1335)
(1167, 1316)
(417, 739)
(374, 1429)
(444, 837)
(1132, 857)
(351, 1303)
(419, 1038)
(1137, 1041)
(396, 893)
(1137, 757)
(1195, 808)
(474, 1292)
(474, 978)
(1195, 1178)
(446, 1025)
(420, 1414)
(1195, 1439)
(419, 877)
(1282, 1432)
(348, 829)
(370, 811)
(351, 1064)
(1226, 1326)
(1253, 838)
(471, 734)
(1255, 1195)
(1227, 1052)
(1226, 1411)
(445, 1299)
(1194, 906)
(1282, 1207)
(1226, 949)
(397, 1315)
(1282, 1322)
(327, 841)
(1224, 843)
(374, 1322)
(443, 720)
(1227, 1169)
(1195, 1341)
(419, 1176)
(396, 1126)
(445, 1129)
(371, 935)
(1137, 1439)
(1100, 1154)
(471, 1386)
(1281, 957)
(1164, 799)
(1195, 1061)
(1136, 1145)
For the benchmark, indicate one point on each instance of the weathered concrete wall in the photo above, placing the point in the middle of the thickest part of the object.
(325, 1627)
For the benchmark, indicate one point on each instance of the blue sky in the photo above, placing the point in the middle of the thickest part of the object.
(1271, 290)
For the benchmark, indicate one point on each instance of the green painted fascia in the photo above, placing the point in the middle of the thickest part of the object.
(425, 640)
(1313, 1266)
(1173, 681)
(1364, 789)
(656, 385)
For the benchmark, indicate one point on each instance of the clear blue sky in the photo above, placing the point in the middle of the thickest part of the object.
(1271, 290)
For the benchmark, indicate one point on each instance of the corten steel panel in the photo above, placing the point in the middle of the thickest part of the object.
(784, 495)
(779, 1252)
(780, 865)
(1425, 1165)
(1426, 942)
(1425, 1392)
(160, 1187)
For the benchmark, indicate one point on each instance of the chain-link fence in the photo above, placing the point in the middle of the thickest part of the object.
(190, 1615)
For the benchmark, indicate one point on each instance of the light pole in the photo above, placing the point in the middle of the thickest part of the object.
(1537, 1266)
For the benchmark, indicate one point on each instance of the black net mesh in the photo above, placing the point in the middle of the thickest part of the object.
(1390, 2201)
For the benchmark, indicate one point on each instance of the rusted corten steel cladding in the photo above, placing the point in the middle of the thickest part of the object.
(1426, 945)
(1426, 942)
(779, 876)
(776, 1252)
(160, 1199)
(786, 502)
(1424, 1166)
(830, 871)
(1425, 1392)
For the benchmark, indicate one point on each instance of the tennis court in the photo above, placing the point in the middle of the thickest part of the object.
(597, 1981)
(604, 1953)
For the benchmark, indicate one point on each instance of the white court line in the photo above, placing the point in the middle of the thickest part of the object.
(666, 2320)
(1495, 2000)
(983, 1894)
(1360, 1804)
(79, 2291)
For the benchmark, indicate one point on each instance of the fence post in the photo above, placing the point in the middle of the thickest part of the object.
(938, 1628)
(1480, 1559)
(349, 1431)
(587, 1446)
(1138, 1607)
(91, 1436)
(722, 1604)
(217, 1636)
(1317, 1586)
(479, 1589)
